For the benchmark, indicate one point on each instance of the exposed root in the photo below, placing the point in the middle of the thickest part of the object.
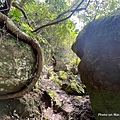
(10, 26)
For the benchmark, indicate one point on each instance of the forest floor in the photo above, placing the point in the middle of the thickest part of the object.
(47, 101)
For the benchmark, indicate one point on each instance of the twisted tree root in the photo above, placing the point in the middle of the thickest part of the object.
(35, 45)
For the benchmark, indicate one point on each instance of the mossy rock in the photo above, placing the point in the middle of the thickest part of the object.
(51, 74)
(45, 118)
(60, 65)
(73, 88)
(74, 70)
(62, 75)
(57, 104)
(55, 79)
(71, 76)
(17, 64)
(21, 107)
(51, 93)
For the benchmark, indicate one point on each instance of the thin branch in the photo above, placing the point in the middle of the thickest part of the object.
(23, 12)
(77, 9)
(56, 21)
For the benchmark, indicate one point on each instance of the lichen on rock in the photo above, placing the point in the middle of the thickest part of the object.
(73, 87)
(62, 75)
(17, 64)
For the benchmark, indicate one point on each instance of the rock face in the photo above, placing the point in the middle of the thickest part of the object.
(98, 46)
(17, 64)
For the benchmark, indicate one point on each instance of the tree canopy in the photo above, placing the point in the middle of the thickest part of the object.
(57, 39)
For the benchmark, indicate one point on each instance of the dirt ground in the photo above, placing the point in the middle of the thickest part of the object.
(39, 105)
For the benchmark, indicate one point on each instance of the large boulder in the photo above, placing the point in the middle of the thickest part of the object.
(98, 47)
(17, 64)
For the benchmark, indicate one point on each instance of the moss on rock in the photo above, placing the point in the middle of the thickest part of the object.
(17, 64)
(51, 93)
(62, 75)
(73, 87)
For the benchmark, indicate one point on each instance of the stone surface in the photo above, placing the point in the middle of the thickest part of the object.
(73, 87)
(60, 65)
(62, 75)
(98, 46)
(17, 64)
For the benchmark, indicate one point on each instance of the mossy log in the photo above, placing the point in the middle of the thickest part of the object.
(98, 46)
(20, 61)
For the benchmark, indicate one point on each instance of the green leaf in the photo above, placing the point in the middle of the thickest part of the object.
(26, 28)
(15, 14)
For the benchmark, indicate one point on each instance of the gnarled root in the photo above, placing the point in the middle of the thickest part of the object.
(10, 26)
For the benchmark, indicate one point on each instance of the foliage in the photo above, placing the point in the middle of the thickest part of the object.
(98, 8)
(55, 39)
